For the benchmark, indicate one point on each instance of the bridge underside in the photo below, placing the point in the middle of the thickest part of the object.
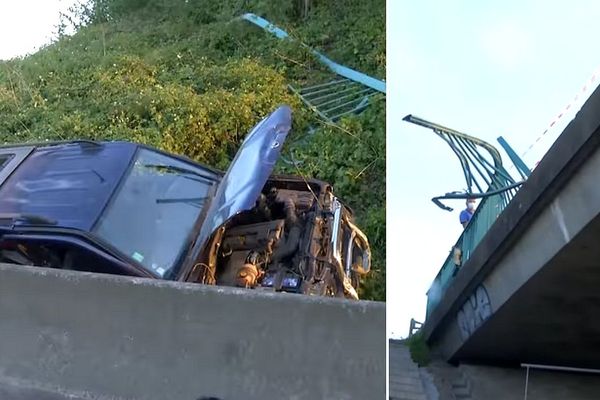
(554, 318)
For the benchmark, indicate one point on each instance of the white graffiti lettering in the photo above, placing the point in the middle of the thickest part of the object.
(474, 312)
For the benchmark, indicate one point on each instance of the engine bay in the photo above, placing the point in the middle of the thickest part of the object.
(282, 244)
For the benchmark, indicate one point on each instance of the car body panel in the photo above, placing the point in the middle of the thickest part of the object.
(245, 178)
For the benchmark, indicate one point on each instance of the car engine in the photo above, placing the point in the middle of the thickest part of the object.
(284, 244)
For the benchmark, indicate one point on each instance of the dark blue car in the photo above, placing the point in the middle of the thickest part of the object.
(124, 208)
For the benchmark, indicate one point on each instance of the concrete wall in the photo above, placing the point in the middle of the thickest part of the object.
(100, 336)
(570, 211)
(509, 384)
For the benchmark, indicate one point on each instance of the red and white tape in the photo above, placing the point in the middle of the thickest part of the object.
(589, 84)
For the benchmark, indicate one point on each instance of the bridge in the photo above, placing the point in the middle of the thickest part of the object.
(527, 287)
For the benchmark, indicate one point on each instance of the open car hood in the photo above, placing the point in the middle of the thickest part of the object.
(248, 173)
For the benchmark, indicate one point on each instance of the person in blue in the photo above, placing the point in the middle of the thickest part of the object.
(467, 213)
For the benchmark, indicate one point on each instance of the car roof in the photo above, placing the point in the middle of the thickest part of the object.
(67, 182)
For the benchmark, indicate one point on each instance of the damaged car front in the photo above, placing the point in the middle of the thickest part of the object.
(282, 233)
(130, 209)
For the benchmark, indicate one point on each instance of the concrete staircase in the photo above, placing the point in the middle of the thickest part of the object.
(405, 379)
(451, 382)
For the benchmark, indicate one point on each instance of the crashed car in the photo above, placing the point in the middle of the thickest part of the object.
(129, 209)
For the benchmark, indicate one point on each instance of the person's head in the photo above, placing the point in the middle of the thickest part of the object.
(471, 204)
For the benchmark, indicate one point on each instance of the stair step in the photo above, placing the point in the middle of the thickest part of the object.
(406, 389)
(409, 397)
(403, 371)
(404, 379)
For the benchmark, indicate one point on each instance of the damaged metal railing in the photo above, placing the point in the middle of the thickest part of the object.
(336, 99)
(486, 179)
(350, 92)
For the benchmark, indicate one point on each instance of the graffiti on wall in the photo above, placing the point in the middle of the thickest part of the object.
(474, 312)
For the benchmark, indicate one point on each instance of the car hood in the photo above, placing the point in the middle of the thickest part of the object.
(241, 185)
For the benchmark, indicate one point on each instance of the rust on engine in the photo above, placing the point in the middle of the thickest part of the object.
(284, 243)
(247, 276)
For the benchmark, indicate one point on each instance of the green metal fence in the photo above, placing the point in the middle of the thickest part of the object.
(349, 92)
(484, 217)
(486, 179)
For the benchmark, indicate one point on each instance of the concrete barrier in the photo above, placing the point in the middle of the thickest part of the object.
(100, 336)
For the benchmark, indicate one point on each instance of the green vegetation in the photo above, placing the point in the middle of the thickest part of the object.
(184, 76)
(419, 351)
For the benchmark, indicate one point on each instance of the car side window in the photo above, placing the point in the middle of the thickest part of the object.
(60, 255)
(10, 158)
(5, 158)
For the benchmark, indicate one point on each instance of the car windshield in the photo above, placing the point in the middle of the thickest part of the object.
(151, 216)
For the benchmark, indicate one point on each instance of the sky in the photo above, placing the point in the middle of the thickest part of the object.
(488, 69)
(484, 68)
(26, 25)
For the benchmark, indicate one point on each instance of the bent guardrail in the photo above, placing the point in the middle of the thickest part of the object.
(339, 69)
(482, 167)
(337, 98)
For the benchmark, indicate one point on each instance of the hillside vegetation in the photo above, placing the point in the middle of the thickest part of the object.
(185, 76)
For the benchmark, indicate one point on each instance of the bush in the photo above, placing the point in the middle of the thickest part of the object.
(419, 351)
(128, 100)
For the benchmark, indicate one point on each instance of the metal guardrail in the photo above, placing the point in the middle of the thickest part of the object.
(553, 368)
(484, 217)
(339, 69)
(348, 93)
(336, 99)
(486, 179)
(415, 326)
